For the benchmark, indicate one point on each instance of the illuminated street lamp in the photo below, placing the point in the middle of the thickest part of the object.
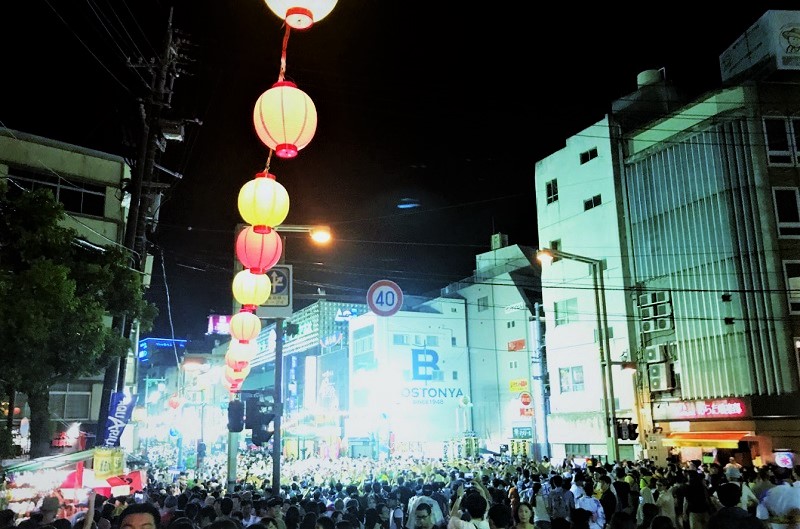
(546, 256)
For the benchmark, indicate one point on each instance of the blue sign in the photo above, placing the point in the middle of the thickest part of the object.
(279, 303)
(119, 415)
(279, 279)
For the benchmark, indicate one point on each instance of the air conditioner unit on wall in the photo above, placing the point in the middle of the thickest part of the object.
(646, 312)
(660, 376)
(656, 324)
(655, 353)
(651, 298)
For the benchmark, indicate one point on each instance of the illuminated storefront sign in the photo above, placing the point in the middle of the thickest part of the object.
(700, 409)
(518, 385)
(516, 345)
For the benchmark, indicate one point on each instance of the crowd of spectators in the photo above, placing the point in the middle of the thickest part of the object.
(416, 493)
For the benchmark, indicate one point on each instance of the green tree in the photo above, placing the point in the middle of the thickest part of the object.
(58, 295)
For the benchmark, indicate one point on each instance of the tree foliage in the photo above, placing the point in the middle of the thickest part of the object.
(58, 295)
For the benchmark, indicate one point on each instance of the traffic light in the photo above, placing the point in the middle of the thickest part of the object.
(261, 434)
(252, 407)
(235, 416)
(201, 450)
(622, 430)
(632, 433)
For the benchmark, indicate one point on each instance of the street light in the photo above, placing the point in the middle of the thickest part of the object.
(546, 256)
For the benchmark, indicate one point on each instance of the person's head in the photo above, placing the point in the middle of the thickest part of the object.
(7, 517)
(221, 523)
(423, 516)
(61, 523)
(580, 518)
(384, 512)
(206, 515)
(662, 522)
(275, 507)
(500, 516)
(605, 482)
(729, 494)
(269, 522)
(474, 504)
(524, 511)
(622, 520)
(650, 510)
(324, 522)
(49, 509)
(140, 516)
(181, 523)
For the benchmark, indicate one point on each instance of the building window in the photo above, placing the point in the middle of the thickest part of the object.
(792, 274)
(513, 364)
(511, 324)
(579, 450)
(591, 203)
(400, 339)
(565, 311)
(609, 333)
(571, 379)
(483, 303)
(453, 342)
(364, 349)
(787, 211)
(781, 144)
(75, 195)
(555, 245)
(551, 190)
(432, 341)
(71, 402)
(586, 156)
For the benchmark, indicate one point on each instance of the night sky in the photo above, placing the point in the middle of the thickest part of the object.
(451, 106)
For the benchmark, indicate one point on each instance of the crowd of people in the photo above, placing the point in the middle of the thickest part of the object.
(412, 493)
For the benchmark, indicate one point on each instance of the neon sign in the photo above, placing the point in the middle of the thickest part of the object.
(707, 409)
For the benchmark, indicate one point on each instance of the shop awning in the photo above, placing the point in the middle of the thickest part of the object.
(49, 462)
(716, 439)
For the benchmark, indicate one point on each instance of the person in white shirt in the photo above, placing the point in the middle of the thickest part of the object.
(666, 500)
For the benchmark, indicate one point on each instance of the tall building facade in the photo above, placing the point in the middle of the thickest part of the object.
(703, 226)
(579, 211)
(90, 186)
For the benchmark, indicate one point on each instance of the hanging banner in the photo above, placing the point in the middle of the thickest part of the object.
(103, 462)
(119, 414)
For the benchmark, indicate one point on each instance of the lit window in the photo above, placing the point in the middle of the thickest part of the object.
(551, 191)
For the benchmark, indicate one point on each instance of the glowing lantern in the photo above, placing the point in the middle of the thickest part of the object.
(233, 387)
(240, 354)
(301, 14)
(285, 119)
(251, 290)
(245, 326)
(263, 202)
(258, 251)
(236, 374)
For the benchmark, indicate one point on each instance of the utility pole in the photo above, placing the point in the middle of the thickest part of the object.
(150, 110)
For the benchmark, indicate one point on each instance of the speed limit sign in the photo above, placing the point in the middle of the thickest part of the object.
(384, 297)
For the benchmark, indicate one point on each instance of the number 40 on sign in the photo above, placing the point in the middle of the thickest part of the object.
(384, 298)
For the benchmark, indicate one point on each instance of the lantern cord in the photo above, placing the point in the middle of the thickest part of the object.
(282, 72)
(269, 159)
